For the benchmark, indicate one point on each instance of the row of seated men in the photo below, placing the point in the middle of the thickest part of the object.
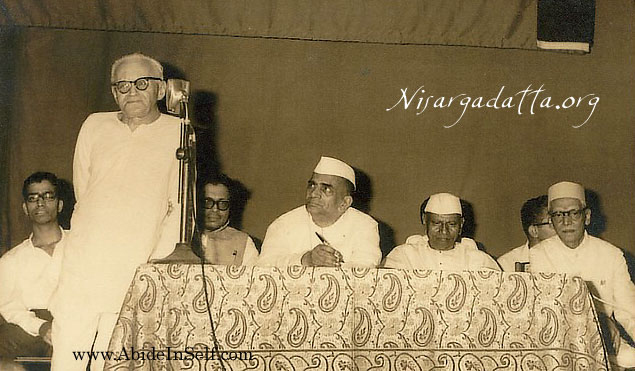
(326, 231)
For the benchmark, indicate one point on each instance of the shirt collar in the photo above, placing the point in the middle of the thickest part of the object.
(220, 229)
(426, 244)
(61, 230)
(58, 242)
(583, 243)
(575, 250)
(317, 227)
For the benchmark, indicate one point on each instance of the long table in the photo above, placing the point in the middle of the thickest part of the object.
(300, 318)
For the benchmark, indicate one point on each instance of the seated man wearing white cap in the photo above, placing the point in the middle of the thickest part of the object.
(442, 248)
(326, 231)
(574, 252)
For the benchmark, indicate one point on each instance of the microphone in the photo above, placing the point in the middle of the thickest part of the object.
(176, 92)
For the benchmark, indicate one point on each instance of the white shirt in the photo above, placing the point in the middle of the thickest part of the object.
(28, 276)
(599, 263)
(126, 185)
(416, 253)
(355, 235)
(519, 254)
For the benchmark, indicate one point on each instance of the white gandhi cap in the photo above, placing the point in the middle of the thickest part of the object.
(566, 190)
(444, 203)
(333, 166)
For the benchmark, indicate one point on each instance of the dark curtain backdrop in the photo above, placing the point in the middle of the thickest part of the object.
(268, 108)
(490, 23)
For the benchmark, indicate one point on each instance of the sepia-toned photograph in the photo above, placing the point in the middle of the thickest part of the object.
(361, 185)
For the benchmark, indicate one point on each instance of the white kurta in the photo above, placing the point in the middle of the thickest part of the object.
(126, 185)
(28, 276)
(355, 235)
(519, 254)
(416, 253)
(599, 263)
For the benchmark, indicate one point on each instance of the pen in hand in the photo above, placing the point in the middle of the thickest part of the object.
(324, 241)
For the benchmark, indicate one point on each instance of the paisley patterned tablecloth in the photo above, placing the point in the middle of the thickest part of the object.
(354, 319)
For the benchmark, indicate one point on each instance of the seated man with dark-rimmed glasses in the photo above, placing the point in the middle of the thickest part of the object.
(574, 252)
(29, 273)
(221, 243)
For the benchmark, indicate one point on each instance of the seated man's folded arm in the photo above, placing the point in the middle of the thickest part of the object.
(12, 307)
(398, 258)
(366, 250)
(277, 248)
(624, 293)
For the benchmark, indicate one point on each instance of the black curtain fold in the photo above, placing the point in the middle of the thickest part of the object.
(8, 44)
(485, 23)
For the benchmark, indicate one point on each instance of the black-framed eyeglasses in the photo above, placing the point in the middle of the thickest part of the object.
(141, 84)
(575, 214)
(46, 197)
(222, 205)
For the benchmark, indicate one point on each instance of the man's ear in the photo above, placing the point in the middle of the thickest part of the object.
(60, 205)
(347, 202)
(113, 90)
(587, 217)
(161, 91)
(26, 212)
(533, 231)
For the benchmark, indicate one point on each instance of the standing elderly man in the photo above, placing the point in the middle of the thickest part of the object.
(29, 272)
(534, 218)
(576, 253)
(125, 175)
(442, 248)
(326, 231)
(220, 243)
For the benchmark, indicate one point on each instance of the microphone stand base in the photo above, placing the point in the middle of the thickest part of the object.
(183, 253)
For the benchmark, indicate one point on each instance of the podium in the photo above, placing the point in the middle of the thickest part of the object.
(300, 318)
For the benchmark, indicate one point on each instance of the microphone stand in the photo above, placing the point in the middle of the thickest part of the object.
(186, 154)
